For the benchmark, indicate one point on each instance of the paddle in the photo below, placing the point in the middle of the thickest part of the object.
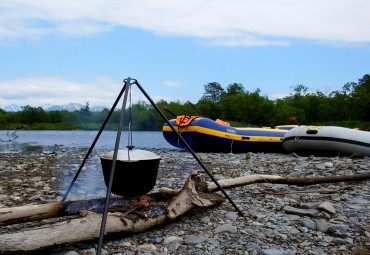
(195, 109)
(169, 111)
(294, 119)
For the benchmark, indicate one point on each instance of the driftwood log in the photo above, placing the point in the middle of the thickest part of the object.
(300, 181)
(163, 207)
(87, 227)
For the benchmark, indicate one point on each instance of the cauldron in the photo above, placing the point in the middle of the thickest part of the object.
(135, 173)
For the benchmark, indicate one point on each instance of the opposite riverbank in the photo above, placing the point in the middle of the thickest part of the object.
(301, 220)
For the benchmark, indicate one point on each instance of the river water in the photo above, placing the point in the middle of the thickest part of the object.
(53, 141)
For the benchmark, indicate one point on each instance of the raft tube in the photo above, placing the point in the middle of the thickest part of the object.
(327, 140)
(206, 135)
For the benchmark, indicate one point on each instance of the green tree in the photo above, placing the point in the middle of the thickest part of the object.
(210, 109)
(234, 89)
(213, 92)
(284, 111)
(54, 116)
(29, 114)
(361, 93)
(84, 114)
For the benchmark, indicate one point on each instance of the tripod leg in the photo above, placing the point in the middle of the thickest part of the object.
(109, 188)
(189, 149)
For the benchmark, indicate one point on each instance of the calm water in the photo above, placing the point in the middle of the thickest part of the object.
(54, 140)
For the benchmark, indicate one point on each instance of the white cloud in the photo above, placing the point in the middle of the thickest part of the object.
(36, 91)
(230, 23)
(173, 84)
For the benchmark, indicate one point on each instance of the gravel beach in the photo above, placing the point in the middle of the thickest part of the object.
(331, 218)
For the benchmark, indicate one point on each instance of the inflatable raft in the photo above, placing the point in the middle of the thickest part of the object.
(327, 140)
(206, 135)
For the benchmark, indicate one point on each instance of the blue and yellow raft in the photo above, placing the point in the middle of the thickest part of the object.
(206, 135)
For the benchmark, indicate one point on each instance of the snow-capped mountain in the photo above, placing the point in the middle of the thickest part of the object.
(12, 108)
(49, 107)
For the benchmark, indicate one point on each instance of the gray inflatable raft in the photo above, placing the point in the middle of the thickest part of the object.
(327, 139)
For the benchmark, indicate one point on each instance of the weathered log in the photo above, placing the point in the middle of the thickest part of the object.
(58, 209)
(300, 181)
(193, 194)
(30, 212)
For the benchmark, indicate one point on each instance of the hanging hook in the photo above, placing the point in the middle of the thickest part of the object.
(129, 141)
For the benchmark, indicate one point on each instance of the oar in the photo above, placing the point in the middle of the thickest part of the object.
(195, 108)
(294, 119)
(169, 111)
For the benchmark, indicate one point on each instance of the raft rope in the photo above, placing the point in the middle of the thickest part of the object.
(178, 139)
(298, 135)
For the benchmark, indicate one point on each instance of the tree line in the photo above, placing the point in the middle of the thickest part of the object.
(349, 107)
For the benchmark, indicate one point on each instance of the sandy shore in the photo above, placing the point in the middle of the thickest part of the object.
(274, 224)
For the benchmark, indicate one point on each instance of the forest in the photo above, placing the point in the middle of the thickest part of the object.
(348, 107)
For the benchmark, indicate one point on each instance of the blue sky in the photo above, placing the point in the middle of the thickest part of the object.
(57, 52)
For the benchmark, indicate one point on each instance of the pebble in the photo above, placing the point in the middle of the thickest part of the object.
(226, 228)
(298, 223)
(310, 224)
(193, 240)
(232, 215)
(328, 207)
(299, 211)
(322, 225)
(276, 252)
(171, 239)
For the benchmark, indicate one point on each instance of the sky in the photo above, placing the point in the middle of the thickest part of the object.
(63, 51)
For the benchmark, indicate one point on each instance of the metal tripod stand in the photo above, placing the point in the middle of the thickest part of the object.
(128, 83)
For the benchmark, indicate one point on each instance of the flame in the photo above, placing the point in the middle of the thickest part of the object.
(144, 200)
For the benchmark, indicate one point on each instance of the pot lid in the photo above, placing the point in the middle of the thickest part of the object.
(125, 155)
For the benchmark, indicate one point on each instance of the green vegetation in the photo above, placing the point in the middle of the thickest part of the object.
(8, 185)
(349, 107)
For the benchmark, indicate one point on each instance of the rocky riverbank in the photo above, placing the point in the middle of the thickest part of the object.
(280, 219)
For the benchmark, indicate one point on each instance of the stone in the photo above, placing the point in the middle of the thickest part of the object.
(328, 207)
(320, 167)
(312, 205)
(91, 251)
(36, 197)
(308, 223)
(294, 231)
(322, 226)
(194, 240)
(276, 252)
(306, 212)
(72, 253)
(232, 215)
(173, 246)
(150, 247)
(328, 164)
(171, 239)
(341, 227)
(226, 228)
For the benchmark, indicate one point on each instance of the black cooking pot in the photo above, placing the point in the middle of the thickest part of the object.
(135, 173)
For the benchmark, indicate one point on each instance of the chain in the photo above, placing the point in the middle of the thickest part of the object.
(130, 147)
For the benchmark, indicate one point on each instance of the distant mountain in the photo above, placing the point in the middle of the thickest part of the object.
(49, 107)
(12, 108)
(98, 108)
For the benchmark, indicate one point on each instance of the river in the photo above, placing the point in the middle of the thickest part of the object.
(50, 140)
